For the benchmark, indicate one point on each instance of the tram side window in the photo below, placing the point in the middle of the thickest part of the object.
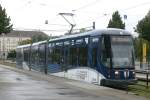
(56, 55)
(42, 53)
(73, 56)
(82, 56)
(94, 57)
(50, 51)
(34, 55)
(26, 55)
(106, 51)
(78, 53)
(19, 54)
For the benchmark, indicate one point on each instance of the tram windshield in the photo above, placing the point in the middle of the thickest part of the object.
(122, 51)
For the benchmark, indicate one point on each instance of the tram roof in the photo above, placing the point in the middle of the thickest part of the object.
(27, 45)
(109, 31)
(36, 43)
(22, 46)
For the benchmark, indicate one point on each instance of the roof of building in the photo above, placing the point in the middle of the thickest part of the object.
(18, 33)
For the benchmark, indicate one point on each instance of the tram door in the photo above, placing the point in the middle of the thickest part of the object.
(94, 51)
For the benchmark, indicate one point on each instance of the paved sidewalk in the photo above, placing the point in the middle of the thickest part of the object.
(16, 84)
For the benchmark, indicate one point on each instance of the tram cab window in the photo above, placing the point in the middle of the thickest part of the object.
(106, 51)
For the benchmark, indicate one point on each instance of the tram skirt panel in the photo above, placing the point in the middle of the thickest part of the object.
(83, 74)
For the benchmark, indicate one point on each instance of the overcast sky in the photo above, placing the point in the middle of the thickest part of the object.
(31, 14)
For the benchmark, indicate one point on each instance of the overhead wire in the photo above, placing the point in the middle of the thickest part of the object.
(31, 29)
(58, 24)
(87, 5)
(132, 7)
(135, 6)
(27, 3)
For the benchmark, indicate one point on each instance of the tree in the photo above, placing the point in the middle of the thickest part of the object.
(138, 48)
(11, 54)
(83, 30)
(27, 41)
(37, 38)
(5, 26)
(143, 27)
(116, 21)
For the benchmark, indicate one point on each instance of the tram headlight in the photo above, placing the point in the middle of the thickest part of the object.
(116, 72)
(133, 74)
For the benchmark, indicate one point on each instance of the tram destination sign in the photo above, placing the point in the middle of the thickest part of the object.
(121, 39)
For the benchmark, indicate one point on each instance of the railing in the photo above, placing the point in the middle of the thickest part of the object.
(143, 75)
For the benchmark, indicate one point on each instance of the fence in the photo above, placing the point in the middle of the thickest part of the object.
(143, 75)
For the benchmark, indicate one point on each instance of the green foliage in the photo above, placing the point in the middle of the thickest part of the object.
(140, 89)
(5, 26)
(138, 47)
(116, 21)
(11, 54)
(28, 41)
(38, 38)
(143, 27)
(83, 30)
(35, 38)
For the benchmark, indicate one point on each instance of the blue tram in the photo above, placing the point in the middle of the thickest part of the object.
(104, 57)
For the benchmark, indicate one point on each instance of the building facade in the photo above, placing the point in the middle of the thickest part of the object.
(10, 41)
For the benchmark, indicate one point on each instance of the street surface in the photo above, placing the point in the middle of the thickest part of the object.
(16, 84)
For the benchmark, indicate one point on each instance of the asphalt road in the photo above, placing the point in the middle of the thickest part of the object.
(26, 85)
